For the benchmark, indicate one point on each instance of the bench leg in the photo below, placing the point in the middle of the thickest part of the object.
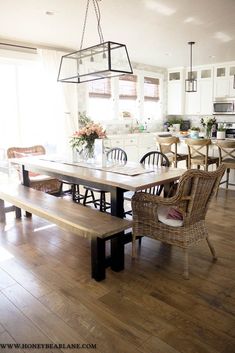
(2, 211)
(117, 252)
(18, 212)
(98, 261)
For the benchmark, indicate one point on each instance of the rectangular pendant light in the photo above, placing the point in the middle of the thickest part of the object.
(107, 59)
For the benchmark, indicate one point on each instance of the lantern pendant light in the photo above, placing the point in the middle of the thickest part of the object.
(191, 82)
(106, 59)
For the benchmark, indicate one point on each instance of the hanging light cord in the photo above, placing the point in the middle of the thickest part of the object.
(98, 17)
(191, 60)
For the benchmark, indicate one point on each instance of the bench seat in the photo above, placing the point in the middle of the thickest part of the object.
(76, 218)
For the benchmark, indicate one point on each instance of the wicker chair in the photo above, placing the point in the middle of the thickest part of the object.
(198, 153)
(227, 157)
(38, 182)
(151, 213)
(166, 144)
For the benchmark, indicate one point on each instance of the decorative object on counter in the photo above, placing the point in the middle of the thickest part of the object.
(194, 132)
(175, 122)
(220, 135)
(191, 82)
(104, 60)
(207, 123)
(83, 140)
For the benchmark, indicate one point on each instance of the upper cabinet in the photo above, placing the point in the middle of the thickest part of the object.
(223, 81)
(200, 102)
(214, 81)
(175, 92)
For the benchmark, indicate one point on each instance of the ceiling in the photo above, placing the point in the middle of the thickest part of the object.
(156, 32)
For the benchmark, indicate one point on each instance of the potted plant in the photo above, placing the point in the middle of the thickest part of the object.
(175, 122)
(220, 135)
(194, 132)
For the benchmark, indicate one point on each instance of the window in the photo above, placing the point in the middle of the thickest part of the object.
(25, 111)
(127, 87)
(151, 89)
(152, 107)
(100, 102)
(128, 96)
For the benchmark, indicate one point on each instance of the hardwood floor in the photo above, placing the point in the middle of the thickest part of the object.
(47, 296)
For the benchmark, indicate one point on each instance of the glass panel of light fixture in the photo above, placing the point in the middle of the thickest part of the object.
(119, 58)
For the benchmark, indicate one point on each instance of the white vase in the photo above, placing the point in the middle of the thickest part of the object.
(176, 127)
(220, 135)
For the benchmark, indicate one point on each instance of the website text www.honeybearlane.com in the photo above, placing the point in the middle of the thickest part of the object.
(47, 346)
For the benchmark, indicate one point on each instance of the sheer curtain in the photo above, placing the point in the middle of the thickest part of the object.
(62, 101)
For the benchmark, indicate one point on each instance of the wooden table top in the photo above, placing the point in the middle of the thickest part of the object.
(159, 175)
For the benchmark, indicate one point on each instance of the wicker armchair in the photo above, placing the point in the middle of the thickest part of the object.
(38, 182)
(151, 213)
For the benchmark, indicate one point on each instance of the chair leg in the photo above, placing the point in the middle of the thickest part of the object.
(186, 265)
(134, 247)
(212, 249)
(227, 178)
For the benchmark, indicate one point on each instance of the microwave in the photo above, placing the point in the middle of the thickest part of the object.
(224, 107)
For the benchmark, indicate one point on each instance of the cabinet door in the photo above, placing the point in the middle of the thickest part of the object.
(175, 97)
(192, 102)
(206, 97)
(231, 87)
(221, 88)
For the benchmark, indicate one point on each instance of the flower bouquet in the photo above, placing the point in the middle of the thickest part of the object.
(83, 140)
(207, 123)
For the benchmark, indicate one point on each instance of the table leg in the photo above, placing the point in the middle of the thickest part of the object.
(2, 211)
(117, 243)
(98, 261)
(25, 176)
(117, 253)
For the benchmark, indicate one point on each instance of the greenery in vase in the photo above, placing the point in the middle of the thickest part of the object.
(194, 128)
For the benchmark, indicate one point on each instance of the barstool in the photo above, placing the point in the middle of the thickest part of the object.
(166, 144)
(227, 157)
(198, 153)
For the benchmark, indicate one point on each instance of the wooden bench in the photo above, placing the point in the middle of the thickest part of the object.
(78, 219)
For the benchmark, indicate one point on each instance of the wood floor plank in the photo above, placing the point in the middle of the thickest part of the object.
(5, 280)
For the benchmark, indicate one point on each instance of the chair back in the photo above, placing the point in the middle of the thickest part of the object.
(117, 154)
(195, 191)
(226, 151)
(198, 150)
(16, 152)
(157, 159)
(166, 144)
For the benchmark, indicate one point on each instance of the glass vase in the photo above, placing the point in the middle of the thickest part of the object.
(89, 153)
(208, 132)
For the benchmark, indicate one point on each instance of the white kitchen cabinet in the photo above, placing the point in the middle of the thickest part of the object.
(200, 102)
(223, 81)
(175, 102)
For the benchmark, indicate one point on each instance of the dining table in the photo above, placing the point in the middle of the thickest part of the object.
(114, 177)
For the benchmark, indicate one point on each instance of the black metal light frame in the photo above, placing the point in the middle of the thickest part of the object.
(107, 50)
(190, 82)
(104, 60)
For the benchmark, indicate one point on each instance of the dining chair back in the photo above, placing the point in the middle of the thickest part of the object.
(168, 146)
(198, 153)
(114, 154)
(227, 157)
